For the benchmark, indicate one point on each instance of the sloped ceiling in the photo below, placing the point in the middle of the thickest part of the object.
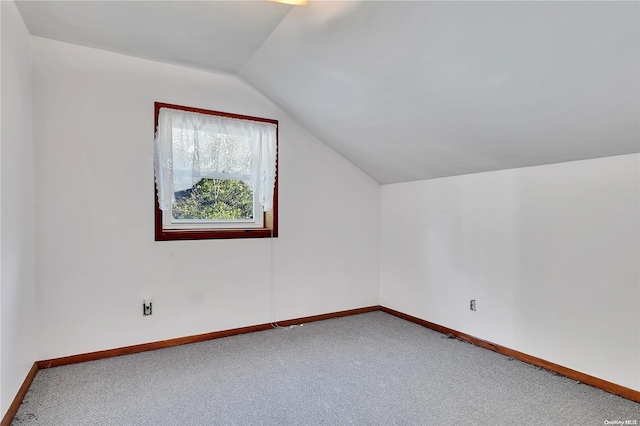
(208, 35)
(404, 90)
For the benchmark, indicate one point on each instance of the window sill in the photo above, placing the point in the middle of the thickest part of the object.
(200, 234)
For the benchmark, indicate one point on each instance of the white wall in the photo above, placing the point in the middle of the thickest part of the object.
(17, 276)
(550, 253)
(97, 258)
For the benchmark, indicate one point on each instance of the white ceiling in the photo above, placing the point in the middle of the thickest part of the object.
(207, 35)
(405, 90)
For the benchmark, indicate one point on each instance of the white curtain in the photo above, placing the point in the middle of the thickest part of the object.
(191, 146)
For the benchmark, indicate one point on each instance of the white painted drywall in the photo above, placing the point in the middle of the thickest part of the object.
(550, 253)
(424, 89)
(17, 276)
(97, 258)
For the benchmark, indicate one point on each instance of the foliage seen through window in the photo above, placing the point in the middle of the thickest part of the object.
(214, 199)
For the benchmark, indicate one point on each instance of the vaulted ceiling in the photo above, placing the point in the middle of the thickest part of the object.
(404, 90)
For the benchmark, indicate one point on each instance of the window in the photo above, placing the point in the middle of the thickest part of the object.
(215, 174)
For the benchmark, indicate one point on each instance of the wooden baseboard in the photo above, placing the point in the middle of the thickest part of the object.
(622, 391)
(13, 408)
(127, 350)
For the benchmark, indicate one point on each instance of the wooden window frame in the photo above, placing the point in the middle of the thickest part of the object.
(270, 220)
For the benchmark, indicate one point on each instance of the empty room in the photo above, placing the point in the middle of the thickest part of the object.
(305, 213)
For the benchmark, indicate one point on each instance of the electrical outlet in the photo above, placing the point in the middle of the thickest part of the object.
(147, 307)
(472, 304)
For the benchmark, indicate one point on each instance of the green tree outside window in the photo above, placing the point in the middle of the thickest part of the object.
(215, 199)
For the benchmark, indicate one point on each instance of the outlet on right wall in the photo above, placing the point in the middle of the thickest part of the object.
(550, 253)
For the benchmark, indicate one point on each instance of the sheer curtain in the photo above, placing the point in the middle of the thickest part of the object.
(191, 146)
